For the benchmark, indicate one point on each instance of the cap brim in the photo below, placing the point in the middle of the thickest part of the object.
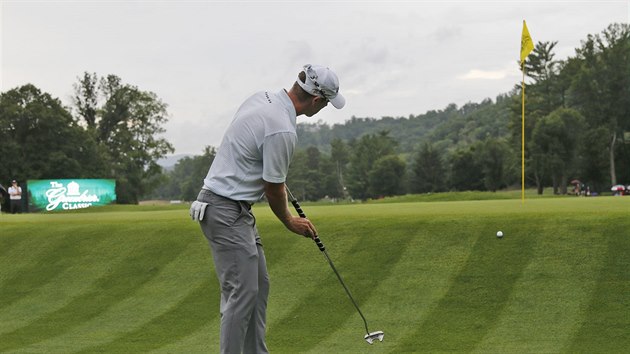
(338, 102)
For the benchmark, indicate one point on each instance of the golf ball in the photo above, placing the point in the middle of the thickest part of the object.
(499, 234)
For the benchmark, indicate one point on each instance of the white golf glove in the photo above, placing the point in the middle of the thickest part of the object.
(197, 210)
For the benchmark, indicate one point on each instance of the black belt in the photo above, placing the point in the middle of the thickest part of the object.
(242, 202)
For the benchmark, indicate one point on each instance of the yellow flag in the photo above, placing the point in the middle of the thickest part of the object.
(527, 45)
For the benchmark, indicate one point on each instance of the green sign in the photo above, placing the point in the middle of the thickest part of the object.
(70, 194)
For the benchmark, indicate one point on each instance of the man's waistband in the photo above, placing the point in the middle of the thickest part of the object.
(211, 193)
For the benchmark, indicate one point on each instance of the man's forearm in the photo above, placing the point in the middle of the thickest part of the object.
(277, 198)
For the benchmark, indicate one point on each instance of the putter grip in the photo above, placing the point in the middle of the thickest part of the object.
(297, 207)
(319, 244)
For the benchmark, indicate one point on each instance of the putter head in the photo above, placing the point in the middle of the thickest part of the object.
(370, 337)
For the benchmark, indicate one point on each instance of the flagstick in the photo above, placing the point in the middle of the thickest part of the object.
(526, 47)
(523, 137)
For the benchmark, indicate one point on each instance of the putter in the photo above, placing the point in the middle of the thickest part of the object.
(370, 337)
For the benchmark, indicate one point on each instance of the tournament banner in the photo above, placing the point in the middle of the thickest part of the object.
(70, 194)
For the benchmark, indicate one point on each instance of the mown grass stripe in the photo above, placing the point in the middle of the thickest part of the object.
(140, 267)
(204, 339)
(477, 294)
(37, 272)
(174, 281)
(606, 325)
(375, 258)
(152, 299)
(28, 244)
(549, 301)
(187, 316)
(421, 271)
(302, 269)
(289, 260)
(279, 245)
(9, 241)
(87, 268)
(305, 273)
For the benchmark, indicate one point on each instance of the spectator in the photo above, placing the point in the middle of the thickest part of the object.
(15, 195)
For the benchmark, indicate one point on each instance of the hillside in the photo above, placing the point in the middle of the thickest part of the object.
(446, 128)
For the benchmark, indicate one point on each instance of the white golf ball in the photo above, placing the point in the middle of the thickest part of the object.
(499, 234)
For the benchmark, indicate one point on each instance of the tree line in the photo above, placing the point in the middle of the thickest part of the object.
(577, 127)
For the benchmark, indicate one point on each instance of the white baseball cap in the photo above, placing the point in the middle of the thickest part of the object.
(322, 82)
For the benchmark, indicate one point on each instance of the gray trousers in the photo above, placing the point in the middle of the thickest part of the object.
(239, 260)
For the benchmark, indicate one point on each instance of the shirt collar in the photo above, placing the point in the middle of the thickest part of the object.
(288, 104)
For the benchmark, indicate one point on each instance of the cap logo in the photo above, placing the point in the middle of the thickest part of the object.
(312, 75)
(324, 86)
(318, 89)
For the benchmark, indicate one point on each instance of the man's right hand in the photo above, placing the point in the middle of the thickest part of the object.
(301, 226)
(277, 198)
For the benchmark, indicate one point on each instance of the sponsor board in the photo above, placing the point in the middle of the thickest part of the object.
(70, 194)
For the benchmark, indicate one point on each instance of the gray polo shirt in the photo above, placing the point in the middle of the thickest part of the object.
(257, 146)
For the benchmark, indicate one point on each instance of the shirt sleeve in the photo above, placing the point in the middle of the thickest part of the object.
(277, 153)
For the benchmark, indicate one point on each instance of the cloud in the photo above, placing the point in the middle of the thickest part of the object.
(444, 34)
(476, 74)
(375, 54)
(296, 51)
(483, 75)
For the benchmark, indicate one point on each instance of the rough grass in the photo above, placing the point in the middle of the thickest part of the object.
(432, 276)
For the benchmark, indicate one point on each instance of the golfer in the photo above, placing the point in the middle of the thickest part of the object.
(251, 162)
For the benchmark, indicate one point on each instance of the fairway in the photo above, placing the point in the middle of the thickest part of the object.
(431, 275)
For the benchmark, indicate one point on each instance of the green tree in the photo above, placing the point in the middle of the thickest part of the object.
(429, 174)
(299, 179)
(556, 139)
(312, 175)
(128, 125)
(493, 158)
(313, 156)
(305, 178)
(593, 157)
(386, 176)
(365, 152)
(191, 171)
(465, 173)
(185, 180)
(340, 157)
(601, 88)
(545, 94)
(86, 93)
(40, 139)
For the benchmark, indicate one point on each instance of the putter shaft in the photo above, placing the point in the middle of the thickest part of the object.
(319, 243)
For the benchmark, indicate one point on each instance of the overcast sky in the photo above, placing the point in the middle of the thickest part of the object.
(203, 58)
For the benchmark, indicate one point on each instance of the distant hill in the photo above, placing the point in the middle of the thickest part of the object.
(168, 162)
(446, 128)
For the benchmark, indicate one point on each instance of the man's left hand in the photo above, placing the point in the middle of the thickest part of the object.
(197, 210)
